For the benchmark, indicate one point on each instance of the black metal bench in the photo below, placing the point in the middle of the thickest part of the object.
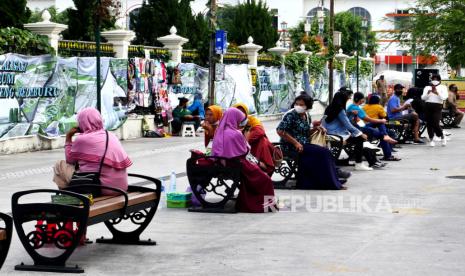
(288, 168)
(447, 118)
(63, 226)
(214, 182)
(286, 171)
(5, 237)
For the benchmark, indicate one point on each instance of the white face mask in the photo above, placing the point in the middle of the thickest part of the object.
(244, 122)
(299, 109)
(435, 83)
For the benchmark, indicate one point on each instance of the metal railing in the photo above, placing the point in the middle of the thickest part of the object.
(69, 48)
(235, 58)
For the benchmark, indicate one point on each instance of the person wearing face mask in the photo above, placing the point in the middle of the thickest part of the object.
(260, 146)
(434, 97)
(316, 167)
(452, 105)
(394, 111)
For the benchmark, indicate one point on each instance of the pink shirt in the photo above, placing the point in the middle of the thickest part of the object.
(116, 178)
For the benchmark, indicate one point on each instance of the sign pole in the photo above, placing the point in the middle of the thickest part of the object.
(211, 57)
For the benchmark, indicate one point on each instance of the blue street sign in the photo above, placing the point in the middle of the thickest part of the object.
(221, 42)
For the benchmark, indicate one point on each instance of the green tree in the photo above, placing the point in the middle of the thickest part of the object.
(19, 41)
(351, 28)
(348, 24)
(82, 20)
(57, 17)
(156, 17)
(250, 18)
(13, 13)
(440, 31)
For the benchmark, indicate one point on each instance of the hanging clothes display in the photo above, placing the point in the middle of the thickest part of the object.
(147, 85)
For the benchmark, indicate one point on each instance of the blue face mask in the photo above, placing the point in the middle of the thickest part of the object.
(244, 122)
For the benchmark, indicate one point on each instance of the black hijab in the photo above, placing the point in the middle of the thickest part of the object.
(339, 103)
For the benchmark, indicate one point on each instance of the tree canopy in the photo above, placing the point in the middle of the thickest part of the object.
(13, 13)
(439, 30)
(345, 22)
(83, 19)
(156, 17)
(249, 18)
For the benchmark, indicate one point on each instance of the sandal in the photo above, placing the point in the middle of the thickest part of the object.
(391, 158)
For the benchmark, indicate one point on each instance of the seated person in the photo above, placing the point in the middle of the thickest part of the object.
(337, 122)
(451, 104)
(196, 108)
(213, 115)
(181, 114)
(261, 147)
(316, 168)
(256, 193)
(373, 128)
(394, 111)
(418, 105)
(87, 151)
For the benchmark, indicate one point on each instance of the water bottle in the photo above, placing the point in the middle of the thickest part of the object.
(173, 182)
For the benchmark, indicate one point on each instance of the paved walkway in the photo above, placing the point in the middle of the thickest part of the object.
(407, 219)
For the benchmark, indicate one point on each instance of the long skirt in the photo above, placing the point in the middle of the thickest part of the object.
(317, 170)
(256, 193)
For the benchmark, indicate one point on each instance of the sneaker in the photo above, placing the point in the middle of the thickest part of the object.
(418, 142)
(378, 165)
(432, 144)
(362, 167)
(443, 142)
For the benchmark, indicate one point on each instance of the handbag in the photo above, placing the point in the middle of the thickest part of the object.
(83, 178)
(318, 138)
(278, 156)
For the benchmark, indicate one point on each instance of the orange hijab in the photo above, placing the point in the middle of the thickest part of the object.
(252, 121)
(217, 111)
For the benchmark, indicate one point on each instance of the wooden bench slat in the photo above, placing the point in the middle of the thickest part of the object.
(117, 202)
(2, 235)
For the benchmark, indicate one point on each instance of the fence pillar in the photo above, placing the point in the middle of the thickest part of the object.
(46, 27)
(278, 50)
(121, 39)
(173, 43)
(251, 50)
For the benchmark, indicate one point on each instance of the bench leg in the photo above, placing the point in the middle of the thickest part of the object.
(49, 232)
(5, 244)
(140, 218)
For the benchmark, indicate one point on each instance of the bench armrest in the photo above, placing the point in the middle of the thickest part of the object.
(155, 181)
(17, 195)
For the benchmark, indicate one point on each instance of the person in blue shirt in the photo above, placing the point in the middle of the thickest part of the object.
(197, 108)
(394, 111)
(375, 128)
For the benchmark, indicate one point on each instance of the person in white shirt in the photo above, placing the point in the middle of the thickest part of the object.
(434, 97)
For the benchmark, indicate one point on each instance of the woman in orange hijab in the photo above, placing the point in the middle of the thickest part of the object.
(255, 134)
(213, 115)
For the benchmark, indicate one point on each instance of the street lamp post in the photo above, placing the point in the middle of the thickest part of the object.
(97, 55)
(284, 34)
(364, 26)
(330, 45)
(211, 56)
